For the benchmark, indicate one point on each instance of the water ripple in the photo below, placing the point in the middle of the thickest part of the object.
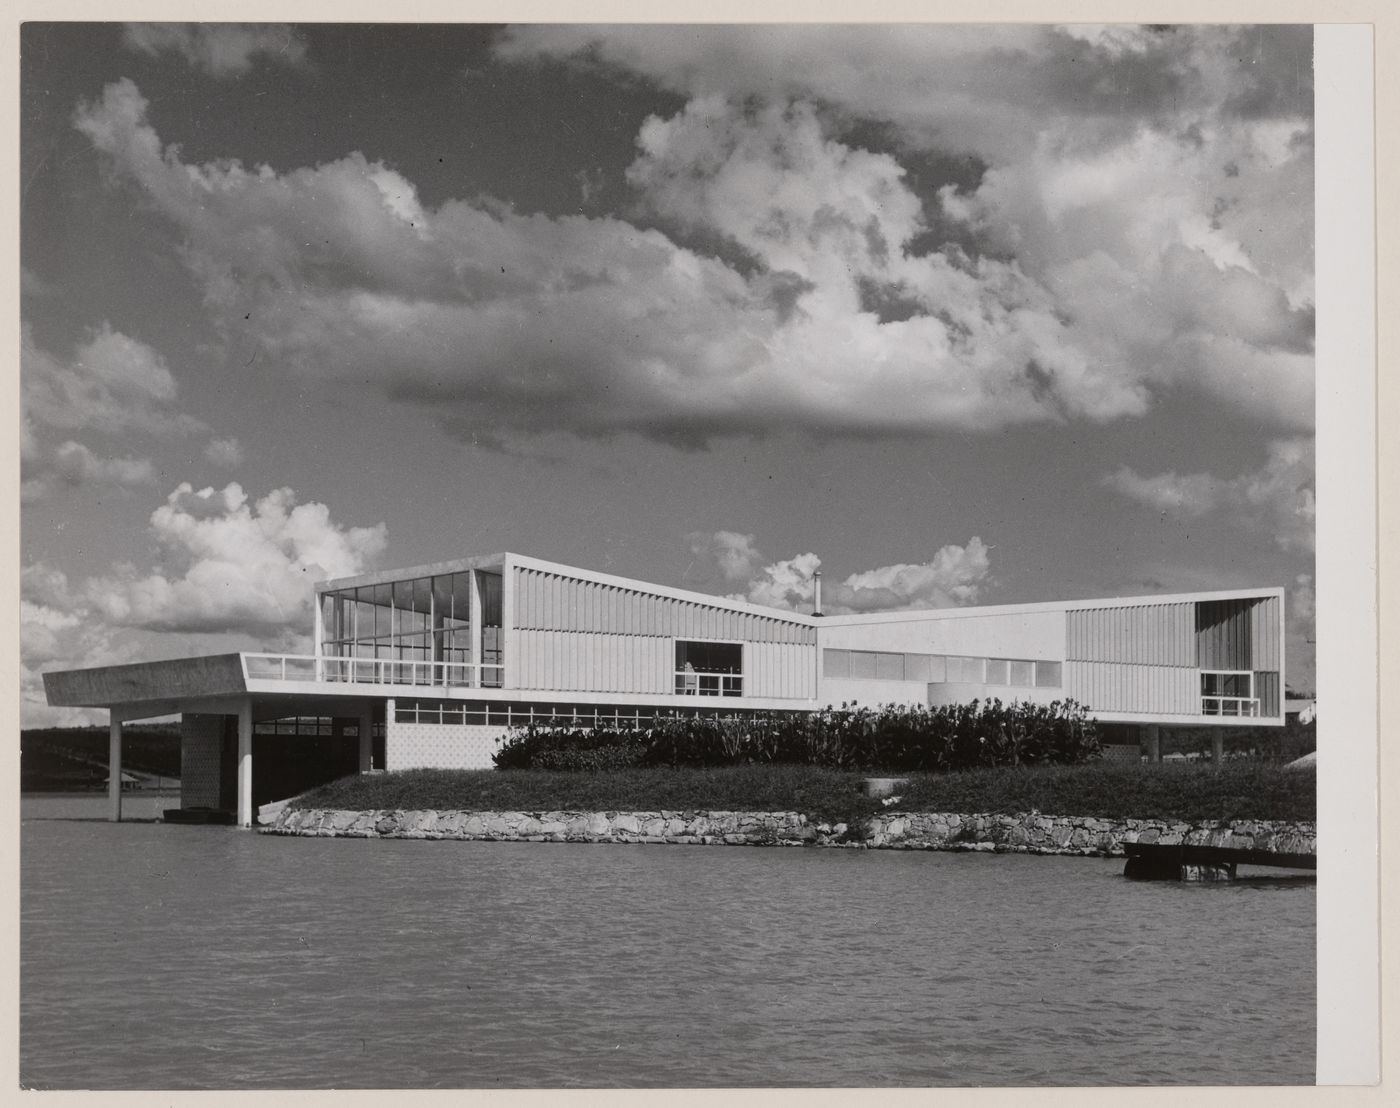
(158, 956)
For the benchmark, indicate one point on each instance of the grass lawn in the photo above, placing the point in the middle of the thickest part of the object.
(1238, 790)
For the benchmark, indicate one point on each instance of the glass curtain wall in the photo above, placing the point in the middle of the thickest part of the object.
(424, 619)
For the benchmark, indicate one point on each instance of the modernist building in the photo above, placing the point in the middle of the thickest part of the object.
(429, 667)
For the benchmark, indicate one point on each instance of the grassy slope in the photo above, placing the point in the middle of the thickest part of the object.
(1239, 790)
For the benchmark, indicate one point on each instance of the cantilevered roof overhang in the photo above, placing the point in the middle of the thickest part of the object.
(148, 683)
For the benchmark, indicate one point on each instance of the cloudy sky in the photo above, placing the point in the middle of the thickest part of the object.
(961, 314)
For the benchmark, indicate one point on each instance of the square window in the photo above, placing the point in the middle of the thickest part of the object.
(1022, 674)
(997, 671)
(836, 663)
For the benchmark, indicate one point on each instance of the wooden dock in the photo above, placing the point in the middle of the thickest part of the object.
(1184, 862)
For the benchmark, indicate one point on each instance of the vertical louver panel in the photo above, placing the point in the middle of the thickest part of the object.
(1140, 634)
(1265, 633)
(1223, 639)
(1266, 689)
(1124, 687)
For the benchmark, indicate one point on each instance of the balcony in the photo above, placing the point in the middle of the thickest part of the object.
(1226, 692)
(691, 683)
(372, 671)
(1229, 706)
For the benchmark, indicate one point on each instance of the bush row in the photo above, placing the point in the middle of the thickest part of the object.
(897, 738)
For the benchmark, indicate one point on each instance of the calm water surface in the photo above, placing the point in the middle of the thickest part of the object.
(157, 956)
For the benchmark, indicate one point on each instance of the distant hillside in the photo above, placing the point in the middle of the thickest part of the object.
(60, 759)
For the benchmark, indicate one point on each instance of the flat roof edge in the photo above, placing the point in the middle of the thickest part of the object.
(1048, 606)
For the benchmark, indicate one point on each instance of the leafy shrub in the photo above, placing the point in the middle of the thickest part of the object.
(895, 738)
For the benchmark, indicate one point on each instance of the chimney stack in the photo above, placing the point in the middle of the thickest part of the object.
(817, 593)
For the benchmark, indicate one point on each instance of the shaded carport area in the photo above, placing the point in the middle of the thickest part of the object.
(224, 725)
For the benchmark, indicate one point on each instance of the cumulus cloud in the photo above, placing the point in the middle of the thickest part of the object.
(954, 576)
(225, 452)
(1279, 497)
(527, 323)
(232, 564)
(732, 554)
(74, 465)
(1154, 184)
(233, 574)
(113, 384)
(220, 49)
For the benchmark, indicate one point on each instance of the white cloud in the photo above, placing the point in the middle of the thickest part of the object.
(74, 465)
(733, 555)
(954, 576)
(220, 49)
(114, 384)
(1278, 498)
(78, 465)
(227, 453)
(503, 322)
(232, 565)
(1154, 184)
(233, 574)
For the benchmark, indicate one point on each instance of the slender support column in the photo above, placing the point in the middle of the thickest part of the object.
(474, 614)
(366, 738)
(245, 763)
(1152, 737)
(114, 769)
(320, 632)
(388, 733)
(1217, 746)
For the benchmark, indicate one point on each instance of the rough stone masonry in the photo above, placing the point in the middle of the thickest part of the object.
(1030, 833)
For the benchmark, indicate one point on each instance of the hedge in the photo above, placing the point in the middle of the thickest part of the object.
(897, 738)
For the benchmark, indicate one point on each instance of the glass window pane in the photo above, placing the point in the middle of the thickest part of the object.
(918, 667)
(997, 671)
(937, 668)
(889, 667)
(862, 664)
(836, 663)
(966, 671)
(1021, 674)
(1048, 675)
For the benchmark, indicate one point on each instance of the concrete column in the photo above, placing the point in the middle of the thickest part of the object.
(1217, 746)
(114, 769)
(1152, 739)
(474, 615)
(388, 732)
(245, 764)
(366, 738)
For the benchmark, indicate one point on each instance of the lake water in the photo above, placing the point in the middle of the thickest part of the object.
(163, 956)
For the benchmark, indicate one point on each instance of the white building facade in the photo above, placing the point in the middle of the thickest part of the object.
(431, 666)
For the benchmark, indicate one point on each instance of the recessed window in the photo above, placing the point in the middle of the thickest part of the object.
(1228, 693)
(836, 663)
(1048, 675)
(709, 668)
(1022, 674)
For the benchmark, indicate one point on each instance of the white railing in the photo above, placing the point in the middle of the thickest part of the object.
(690, 683)
(1229, 706)
(372, 671)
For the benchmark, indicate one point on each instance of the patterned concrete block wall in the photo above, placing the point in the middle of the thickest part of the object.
(201, 739)
(440, 745)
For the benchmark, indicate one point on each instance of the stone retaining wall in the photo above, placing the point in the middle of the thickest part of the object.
(1028, 834)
